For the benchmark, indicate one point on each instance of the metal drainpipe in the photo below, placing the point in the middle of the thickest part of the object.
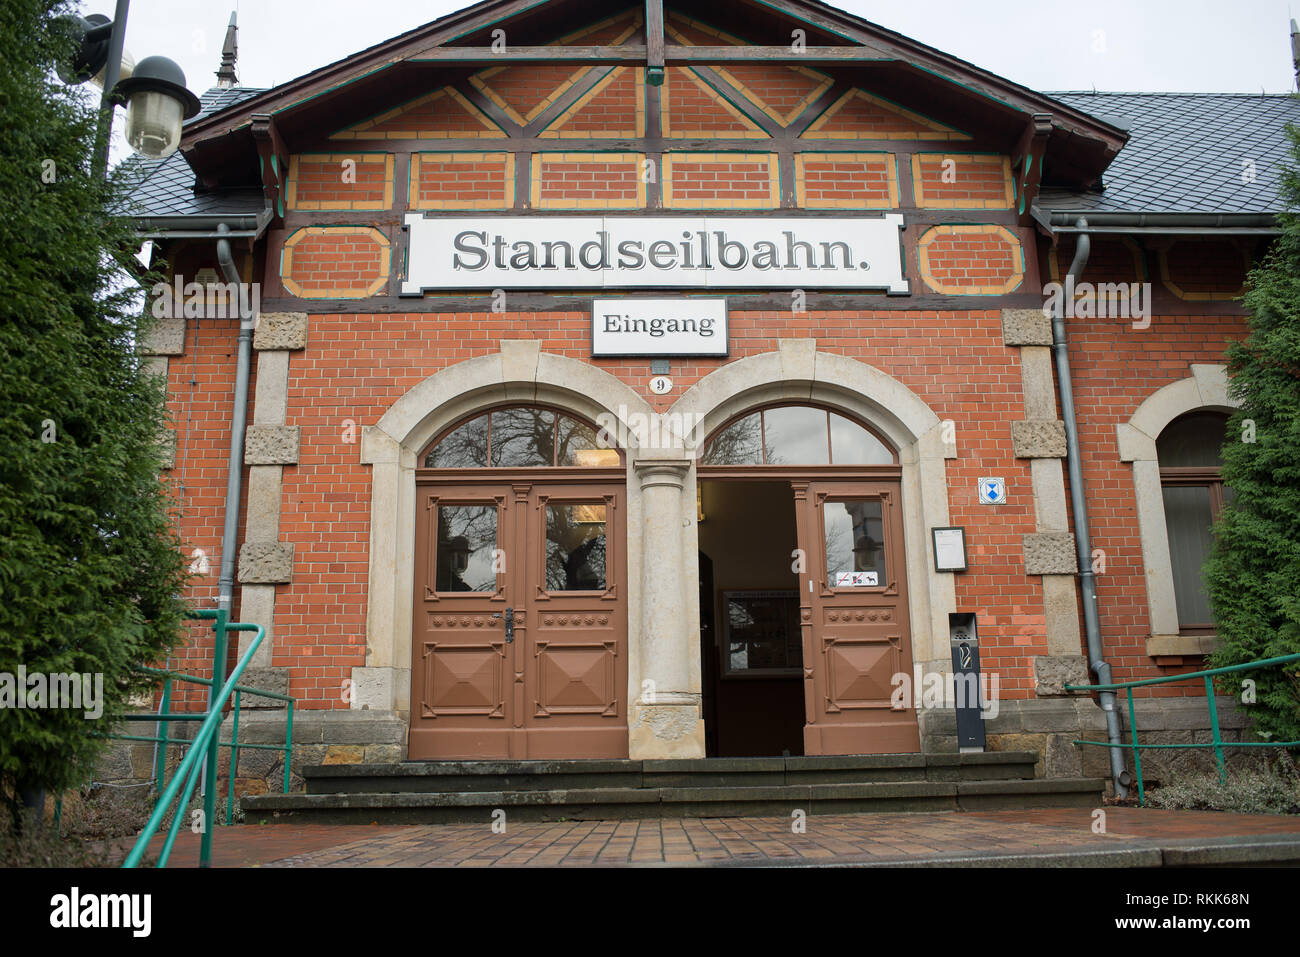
(1078, 502)
(238, 426)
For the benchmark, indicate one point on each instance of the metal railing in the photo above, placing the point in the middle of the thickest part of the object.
(1216, 742)
(205, 743)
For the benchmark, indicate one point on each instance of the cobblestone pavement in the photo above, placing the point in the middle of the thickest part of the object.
(720, 841)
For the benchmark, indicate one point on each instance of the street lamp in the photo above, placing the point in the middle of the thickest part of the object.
(157, 101)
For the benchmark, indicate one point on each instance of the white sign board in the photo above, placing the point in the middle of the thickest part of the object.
(857, 580)
(627, 252)
(659, 327)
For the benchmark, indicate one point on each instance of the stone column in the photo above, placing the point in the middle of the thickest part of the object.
(666, 720)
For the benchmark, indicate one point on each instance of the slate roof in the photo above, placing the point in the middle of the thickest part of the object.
(1185, 156)
(165, 187)
(1187, 152)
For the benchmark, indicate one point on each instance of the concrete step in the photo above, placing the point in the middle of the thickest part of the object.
(471, 776)
(577, 804)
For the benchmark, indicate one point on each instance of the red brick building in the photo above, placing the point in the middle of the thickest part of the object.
(490, 509)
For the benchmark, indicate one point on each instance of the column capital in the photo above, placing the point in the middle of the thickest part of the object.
(671, 472)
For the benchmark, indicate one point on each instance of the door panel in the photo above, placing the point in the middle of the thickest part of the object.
(576, 641)
(520, 628)
(853, 617)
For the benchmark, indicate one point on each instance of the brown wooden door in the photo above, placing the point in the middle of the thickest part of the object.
(854, 619)
(520, 632)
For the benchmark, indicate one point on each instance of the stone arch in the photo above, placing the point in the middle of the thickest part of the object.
(520, 372)
(1206, 389)
(798, 372)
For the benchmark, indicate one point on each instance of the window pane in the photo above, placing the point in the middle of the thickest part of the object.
(523, 438)
(1187, 516)
(467, 536)
(851, 444)
(465, 448)
(795, 436)
(575, 547)
(576, 444)
(738, 444)
(855, 544)
(763, 631)
(1193, 441)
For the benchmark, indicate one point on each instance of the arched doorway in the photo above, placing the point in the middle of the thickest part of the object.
(519, 634)
(804, 612)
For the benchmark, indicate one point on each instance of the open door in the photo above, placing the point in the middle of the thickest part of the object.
(853, 617)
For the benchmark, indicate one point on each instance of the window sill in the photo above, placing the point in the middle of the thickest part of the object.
(1167, 646)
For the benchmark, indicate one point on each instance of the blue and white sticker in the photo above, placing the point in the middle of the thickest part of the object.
(993, 491)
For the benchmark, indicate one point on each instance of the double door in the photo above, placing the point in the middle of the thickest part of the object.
(519, 640)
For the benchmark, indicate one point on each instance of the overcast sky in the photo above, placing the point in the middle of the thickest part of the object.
(1237, 46)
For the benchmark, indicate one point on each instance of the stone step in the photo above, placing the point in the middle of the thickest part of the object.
(579, 804)
(469, 776)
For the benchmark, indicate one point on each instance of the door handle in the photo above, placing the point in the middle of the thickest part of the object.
(510, 624)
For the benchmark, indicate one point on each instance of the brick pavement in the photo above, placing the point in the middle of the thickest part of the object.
(719, 841)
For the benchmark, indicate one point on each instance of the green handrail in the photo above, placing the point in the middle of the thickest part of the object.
(1216, 737)
(204, 743)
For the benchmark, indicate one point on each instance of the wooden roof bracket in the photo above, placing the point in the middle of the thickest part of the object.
(273, 160)
(1027, 163)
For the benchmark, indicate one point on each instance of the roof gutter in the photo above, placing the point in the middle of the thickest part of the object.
(1079, 506)
(208, 226)
(1066, 222)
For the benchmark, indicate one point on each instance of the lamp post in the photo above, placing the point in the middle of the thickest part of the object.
(157, 101)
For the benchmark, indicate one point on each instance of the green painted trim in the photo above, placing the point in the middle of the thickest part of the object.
(816, 26)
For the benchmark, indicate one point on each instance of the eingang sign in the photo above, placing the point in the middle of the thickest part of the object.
(658, 327)
(625, 252)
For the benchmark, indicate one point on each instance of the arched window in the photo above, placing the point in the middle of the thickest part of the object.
(522, 436)
(1191, 482)
(796, 435)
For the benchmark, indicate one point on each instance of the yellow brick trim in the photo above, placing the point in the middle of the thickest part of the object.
(535, 181)
(286, 262)
(934, 129)
(361, 131)
(600, 25)
(752, 130)
(674, 18)
(557, 130)
(1008, 200)
(418, 159)
(1162, 257)
(824, 83)
(1018, 262)
(773, 200)
(291, 187)
(891, 173)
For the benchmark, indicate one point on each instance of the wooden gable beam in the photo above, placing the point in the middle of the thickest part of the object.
(654, 42)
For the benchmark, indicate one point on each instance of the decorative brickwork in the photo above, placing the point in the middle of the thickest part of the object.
(335, 262)
(340, 181)
(971, 260)
(962, 181)
(859, 115)
(846, 180)
(721, 181)
(462, 180)
(442, 114)
(1200, 270)
(1114, 259)
(692, 108)
(588, 181)
(614, 107)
